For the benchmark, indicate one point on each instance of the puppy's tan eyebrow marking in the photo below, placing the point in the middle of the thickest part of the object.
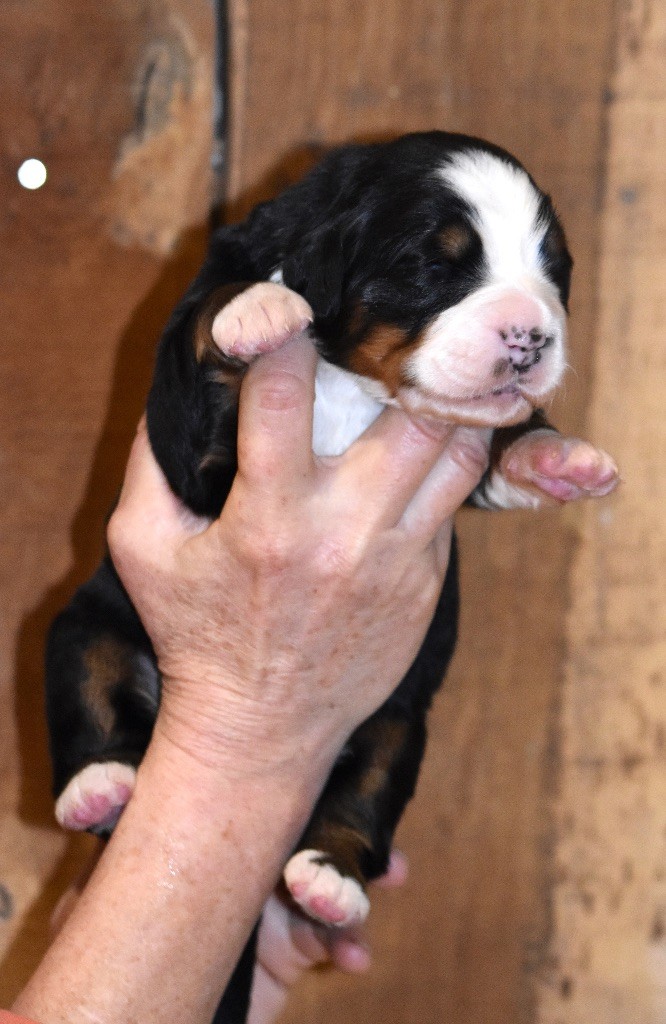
(455, 239)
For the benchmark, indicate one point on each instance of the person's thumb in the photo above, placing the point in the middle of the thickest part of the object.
(149, 519)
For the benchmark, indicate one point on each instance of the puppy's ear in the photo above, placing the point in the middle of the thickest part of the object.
(316, 271)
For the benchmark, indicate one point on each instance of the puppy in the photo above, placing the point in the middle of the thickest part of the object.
(434, 276)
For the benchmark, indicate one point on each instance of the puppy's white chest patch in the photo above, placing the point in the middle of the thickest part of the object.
(343, 409)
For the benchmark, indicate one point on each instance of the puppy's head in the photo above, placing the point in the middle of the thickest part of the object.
(440, 275)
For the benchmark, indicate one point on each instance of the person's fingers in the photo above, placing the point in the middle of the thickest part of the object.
(396, 873)
(349, 948)
(288, 945)
(148, 513)
(289, 942)
(395, 454)
(275, 419)
(350, 953)
(450, 482)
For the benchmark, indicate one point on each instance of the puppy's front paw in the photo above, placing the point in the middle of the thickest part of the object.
(322, 892)
(95, 798)
(260, 319)
(563, 468)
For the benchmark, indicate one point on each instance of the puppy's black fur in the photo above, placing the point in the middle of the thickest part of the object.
(358, 238)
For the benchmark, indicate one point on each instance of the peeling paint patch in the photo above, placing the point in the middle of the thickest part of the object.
(6, 904)
(166, 68)
(161, 180)
(628, 195)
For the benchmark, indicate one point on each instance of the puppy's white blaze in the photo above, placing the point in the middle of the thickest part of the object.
(505, 208)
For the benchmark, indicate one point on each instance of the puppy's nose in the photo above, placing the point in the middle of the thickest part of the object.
(524, 344)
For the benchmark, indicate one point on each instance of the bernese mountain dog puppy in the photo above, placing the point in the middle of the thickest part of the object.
(433, 275)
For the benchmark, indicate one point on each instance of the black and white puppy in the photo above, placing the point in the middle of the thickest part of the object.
(435, 276)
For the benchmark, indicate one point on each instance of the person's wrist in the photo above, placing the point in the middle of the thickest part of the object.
(264, 813)
(215, 741)
(225, 726)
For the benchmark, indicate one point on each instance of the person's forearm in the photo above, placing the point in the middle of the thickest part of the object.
(116, 959)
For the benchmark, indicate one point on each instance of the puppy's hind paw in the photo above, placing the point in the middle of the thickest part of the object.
(95, 798)
(322, 892)
(260, 319)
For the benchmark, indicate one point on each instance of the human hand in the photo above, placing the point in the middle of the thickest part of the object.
(286, 622)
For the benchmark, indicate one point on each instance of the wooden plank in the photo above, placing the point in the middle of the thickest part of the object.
(609, 944)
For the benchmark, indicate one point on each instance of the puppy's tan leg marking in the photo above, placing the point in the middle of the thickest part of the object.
(107, 663)
(326, 879)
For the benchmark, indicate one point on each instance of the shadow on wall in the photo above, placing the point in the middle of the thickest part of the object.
(130, 384)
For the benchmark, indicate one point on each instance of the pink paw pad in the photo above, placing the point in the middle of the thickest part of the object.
(260, 319)
(323, 893)
(95, 798)
(564, 468)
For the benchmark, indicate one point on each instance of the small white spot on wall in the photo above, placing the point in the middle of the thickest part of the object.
(32, 174)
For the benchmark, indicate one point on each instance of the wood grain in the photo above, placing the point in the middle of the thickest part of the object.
(609, 942)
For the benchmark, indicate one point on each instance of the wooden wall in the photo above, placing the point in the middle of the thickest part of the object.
(536, 837)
